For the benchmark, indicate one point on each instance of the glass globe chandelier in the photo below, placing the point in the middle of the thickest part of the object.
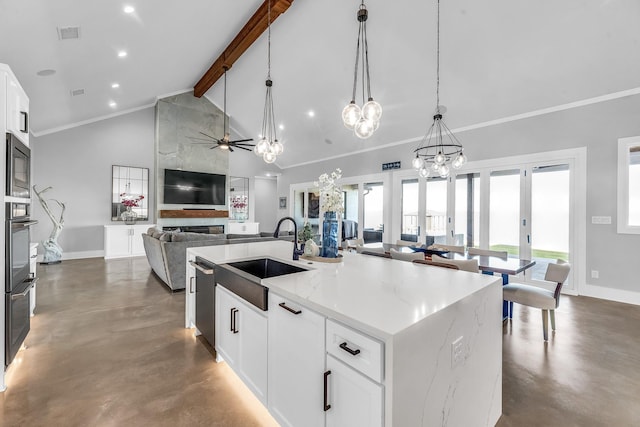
(269, 148)
(364, 121)
(439, 149)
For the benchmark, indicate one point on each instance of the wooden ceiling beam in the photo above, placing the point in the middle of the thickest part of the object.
(256, 25)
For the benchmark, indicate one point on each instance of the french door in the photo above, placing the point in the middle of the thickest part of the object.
(531, 215)
(530, 207)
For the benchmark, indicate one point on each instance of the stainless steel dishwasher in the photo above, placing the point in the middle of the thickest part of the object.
(205, 299)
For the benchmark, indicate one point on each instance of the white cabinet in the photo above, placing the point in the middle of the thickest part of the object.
(296, 363)
(33, 261)
(122, 241)
(241, 340)
(17, 110)
(355, 366)
(243, 227)
(354, 399)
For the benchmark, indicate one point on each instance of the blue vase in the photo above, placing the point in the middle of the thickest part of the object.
(330, 235)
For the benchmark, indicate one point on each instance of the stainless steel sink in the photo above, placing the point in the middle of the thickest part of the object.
(243, 278)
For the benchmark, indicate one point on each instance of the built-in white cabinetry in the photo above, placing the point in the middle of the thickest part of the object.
(122, 241)
(353, 399)
(17, 114)
(241, 340)
(33, 261)
(243, 227)
(354, 376)
(296, 363)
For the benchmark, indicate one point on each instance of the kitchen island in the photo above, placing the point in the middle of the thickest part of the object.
(404, 344)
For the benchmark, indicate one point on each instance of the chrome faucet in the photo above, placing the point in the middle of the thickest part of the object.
(296, 252)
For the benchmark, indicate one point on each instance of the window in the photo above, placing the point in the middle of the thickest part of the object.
(629, 185)
(373, 211)
(409, 210)
(436, 213)
(467, 210)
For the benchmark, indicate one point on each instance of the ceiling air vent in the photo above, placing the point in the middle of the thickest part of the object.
(68, 33)
(77, 92)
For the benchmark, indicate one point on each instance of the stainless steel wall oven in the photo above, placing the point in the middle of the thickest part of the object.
(18, 280)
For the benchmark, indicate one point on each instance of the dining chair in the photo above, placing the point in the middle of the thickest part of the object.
(375, 252)
(450, 248)
(488, 252)
(470, 265)
(352, 243)
(435, 264)
(543, 299)
(405, 243)
(405, 256)
(360, 249)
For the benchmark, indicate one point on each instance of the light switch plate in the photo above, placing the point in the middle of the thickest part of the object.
(600, 220)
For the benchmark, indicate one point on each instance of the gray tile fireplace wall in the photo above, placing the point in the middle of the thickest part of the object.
(180, 119)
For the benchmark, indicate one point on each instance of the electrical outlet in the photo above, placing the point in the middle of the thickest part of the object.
(595, 274)
(457, 352)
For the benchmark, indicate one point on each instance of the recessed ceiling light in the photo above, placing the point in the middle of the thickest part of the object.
(115, 85)
(311, 113)
(122, 54)
(281, 127)
(45, 73)
(113, 104)
(129, 9)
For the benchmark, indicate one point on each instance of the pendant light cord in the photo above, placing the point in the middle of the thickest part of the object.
(438, 61)
(269, 40)
(355, 69)
(268, 118)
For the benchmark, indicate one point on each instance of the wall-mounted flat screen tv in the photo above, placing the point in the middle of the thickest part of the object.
(194, 188)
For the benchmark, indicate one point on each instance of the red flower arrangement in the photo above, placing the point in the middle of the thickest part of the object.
(239, 202)
(130, 200)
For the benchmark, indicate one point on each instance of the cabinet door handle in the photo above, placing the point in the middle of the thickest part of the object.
(348, 350)
(233, 320)
(191, 284)
(289, 309)
(207, 271)
(326, 391)
(25, 128)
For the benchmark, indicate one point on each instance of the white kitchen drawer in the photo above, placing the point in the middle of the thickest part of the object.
(370, 352)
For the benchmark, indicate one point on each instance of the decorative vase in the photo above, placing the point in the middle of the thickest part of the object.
(129, 216)
(240, 214)
(310, 248)
(330, 235)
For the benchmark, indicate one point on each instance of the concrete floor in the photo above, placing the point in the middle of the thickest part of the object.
(108, 348)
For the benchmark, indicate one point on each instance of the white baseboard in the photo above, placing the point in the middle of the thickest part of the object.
(619, 295)
(78, 255)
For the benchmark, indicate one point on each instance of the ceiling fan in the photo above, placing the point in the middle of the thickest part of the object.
(224, 143)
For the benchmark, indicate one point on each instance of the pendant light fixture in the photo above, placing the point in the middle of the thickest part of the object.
(268, 147)
(364, 121)
(439, 150)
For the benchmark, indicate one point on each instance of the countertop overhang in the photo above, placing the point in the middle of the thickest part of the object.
(378, 295)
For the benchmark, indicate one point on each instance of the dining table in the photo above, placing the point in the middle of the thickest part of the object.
(504, 266)
(489, 265)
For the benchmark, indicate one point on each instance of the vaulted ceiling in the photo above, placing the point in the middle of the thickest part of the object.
(498, 59)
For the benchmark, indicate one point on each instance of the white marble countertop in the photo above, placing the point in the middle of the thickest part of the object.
(377, 295)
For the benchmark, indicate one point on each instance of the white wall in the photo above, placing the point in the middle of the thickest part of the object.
(266, 202)
(596, 127)
(77, 164)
